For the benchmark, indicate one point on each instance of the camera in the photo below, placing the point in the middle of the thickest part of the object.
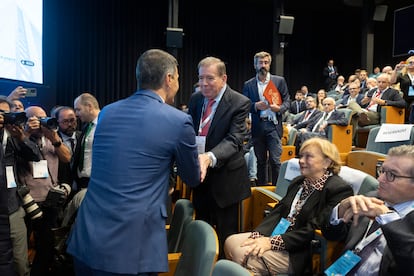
(29, 205)
(56, 197)
(15, 118)
(49, 122)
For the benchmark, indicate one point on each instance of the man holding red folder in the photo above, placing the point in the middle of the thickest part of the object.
(269, 98)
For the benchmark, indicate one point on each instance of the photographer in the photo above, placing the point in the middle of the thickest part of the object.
(41, 178)
(16, 146)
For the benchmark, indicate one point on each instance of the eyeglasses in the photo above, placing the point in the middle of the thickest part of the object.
(68, 121)
(390, 176)
(352, 88)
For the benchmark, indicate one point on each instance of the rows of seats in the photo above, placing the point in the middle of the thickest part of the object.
(193, 246)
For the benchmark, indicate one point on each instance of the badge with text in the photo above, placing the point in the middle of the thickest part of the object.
(344, 264)
(281, 227)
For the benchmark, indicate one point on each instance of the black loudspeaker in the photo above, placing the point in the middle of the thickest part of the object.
(286, 24)
(380, 13)
(174, 37)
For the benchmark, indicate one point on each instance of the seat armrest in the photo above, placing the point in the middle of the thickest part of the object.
(172, 264)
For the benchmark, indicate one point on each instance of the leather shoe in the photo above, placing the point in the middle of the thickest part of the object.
(363, 120)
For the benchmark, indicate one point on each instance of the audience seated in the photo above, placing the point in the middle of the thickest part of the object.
(375, 99)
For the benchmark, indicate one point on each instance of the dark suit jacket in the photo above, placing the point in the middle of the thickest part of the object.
(312, 215)
(299, 122)
(336, 118)
(358, 99)
(66, 174)
(398, 256)
(250, 90)
(293, 107)
(392, 97)
(228, 181)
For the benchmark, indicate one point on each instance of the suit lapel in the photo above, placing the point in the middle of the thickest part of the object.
(221, 109)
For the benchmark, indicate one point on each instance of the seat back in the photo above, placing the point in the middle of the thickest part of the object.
(225, 267)
(199, 251)
(383, 147)
(361, 182)
(365, 161)
(288, 170)
(182, 215)
(341, 136)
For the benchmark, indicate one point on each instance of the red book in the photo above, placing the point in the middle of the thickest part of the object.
(272, 94)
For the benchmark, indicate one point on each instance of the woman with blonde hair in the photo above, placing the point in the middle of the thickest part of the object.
(281, 244)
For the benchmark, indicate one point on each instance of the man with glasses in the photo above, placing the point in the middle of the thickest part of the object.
(330, 116)
(388, 250)
(383, 95)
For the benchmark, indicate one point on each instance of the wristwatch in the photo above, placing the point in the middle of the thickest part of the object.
(57, 144)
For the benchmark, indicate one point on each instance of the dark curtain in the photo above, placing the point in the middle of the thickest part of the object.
(93, 45)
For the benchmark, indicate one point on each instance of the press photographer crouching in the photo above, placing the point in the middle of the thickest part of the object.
(41, 178)
(16, 147)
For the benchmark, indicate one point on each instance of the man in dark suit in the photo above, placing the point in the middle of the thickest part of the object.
(120, 225)
(330, 73)
(298, 105)
(266, 117)
(330, 116)
(218, 198)
(383, 95)
(307, 117)
(389, 251)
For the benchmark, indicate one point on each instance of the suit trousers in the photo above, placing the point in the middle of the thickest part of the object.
(267, 146)
(18, 234)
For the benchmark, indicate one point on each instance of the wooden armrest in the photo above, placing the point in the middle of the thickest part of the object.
(172, 264)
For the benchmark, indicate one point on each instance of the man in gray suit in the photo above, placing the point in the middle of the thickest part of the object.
(389, 249)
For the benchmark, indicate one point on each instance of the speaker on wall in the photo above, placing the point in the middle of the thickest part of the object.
(286, 24)
(380, 13)
(174, 37)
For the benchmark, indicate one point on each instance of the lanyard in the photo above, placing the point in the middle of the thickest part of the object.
(368, 239)
(293, 208)
(208, 118)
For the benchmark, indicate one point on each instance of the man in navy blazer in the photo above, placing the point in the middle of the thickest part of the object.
(120, 225)
(217, 199)
(390, 250)
(266, 118)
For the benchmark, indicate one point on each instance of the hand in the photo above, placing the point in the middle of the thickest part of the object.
(205, 162)
(261, 105)
(275, 107)
(17, 93)
(257, 246)
(32, 125)
(16, 131)
(353, 207)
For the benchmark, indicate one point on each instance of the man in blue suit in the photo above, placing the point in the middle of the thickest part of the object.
(120, 226)
(266, 117)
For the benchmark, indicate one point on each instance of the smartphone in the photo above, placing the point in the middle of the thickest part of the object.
(31, 92)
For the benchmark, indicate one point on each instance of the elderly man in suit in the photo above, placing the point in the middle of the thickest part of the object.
(383, 95)
(219, 115)
(266, 116)
(378, 232)
(330, 116)
(120, 225)
(310, 115)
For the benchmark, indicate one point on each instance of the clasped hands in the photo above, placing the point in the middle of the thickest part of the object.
(353, 207)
